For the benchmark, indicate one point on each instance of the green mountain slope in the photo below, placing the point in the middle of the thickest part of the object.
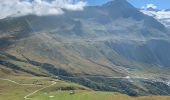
(99, 47)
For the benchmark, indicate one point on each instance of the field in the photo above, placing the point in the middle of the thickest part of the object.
(41, 88)
(19, 88)
(91, 95)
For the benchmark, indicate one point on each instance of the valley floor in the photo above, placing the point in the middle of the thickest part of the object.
(41, 88)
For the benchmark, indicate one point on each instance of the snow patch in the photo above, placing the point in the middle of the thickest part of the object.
(162, 16)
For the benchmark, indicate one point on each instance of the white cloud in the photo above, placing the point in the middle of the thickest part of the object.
(149, 6)
(13, 8)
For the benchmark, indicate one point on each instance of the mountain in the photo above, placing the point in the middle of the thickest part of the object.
(162, 16)
(112, 47)
(152, 9)
(167, 9)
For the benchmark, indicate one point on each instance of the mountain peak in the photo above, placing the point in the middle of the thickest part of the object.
(122, 8)
(118, 5)
(152, 9)
(115, 2)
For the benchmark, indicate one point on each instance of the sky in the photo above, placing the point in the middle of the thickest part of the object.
(15, 8)
(161, 4)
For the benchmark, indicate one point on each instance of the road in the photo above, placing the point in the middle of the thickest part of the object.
(32, 93)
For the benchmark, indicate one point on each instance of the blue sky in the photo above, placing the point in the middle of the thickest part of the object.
(161, 4)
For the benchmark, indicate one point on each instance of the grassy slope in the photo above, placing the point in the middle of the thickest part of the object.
(79, 57)
(92, 95)
(11, 91)
(142, 87)
(79, 95)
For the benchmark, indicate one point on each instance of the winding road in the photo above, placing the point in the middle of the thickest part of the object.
(32, 93)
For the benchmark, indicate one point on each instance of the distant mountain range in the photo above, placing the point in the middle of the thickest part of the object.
(113, 47)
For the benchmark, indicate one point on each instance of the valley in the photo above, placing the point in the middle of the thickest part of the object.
(107, 52)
